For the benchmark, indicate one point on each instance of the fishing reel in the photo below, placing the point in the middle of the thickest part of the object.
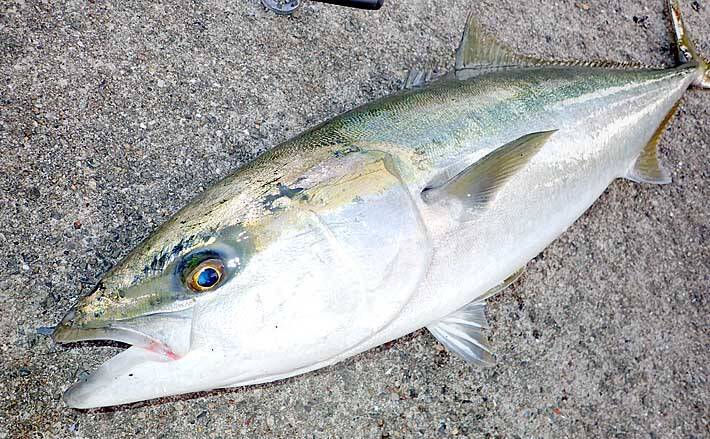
(287, 7)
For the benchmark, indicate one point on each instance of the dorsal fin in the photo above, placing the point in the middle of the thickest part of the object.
(420, 78)
(417, 78)
(476, 185)
(480, 53)
(647, 168)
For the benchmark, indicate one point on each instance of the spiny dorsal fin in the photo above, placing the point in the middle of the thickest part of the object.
(462, 331)
(417, 78)
(420, 78)
(476, 185)
(480, 53)
(647, 168)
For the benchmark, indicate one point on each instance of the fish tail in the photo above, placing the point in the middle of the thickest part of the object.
(685, 48)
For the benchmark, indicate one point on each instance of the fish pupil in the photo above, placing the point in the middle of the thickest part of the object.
(207, 277)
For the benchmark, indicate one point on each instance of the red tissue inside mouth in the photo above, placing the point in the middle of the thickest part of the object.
(162, 349)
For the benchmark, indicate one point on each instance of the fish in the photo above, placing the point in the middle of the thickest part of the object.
(408, 212)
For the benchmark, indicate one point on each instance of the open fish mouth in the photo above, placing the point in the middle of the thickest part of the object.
(157, 339)
(116, 332)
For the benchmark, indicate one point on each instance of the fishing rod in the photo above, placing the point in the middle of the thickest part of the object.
(286, 7)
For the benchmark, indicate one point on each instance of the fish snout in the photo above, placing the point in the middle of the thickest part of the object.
(91, 316)
(61, 332)
(73, 328)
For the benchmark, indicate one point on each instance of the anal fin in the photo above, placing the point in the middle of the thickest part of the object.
(508, 281)
(647, 168)
(462, 331)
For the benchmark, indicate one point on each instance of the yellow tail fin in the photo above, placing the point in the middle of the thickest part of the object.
(685, 48)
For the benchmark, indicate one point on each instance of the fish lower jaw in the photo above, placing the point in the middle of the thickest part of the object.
(111, 383)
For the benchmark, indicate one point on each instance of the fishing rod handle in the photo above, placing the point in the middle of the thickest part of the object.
(360, 4)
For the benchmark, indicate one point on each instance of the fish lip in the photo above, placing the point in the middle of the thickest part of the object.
(65, 333)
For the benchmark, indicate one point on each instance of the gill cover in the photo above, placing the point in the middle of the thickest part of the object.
(336, 261)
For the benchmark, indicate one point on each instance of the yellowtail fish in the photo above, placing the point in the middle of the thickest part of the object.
(401, 214)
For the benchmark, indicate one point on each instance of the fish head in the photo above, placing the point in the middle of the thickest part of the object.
(247, 285)
(150, 298)
(147, 299)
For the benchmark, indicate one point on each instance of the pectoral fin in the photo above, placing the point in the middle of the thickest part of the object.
(462, 331)
(476, 185)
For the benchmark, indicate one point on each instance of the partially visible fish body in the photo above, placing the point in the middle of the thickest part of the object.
(556, 187)
(403, 213)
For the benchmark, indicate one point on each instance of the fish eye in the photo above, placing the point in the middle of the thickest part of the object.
(206, 275)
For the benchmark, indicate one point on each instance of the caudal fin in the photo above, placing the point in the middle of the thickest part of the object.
(685, 48)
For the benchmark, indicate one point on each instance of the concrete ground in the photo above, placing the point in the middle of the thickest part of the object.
(113, 114)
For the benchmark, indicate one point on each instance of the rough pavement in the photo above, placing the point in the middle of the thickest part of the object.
(113, 114)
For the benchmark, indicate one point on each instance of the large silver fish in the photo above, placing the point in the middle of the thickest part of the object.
(405, 213)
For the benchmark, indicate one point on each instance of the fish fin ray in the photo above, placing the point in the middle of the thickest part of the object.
(462, 333)
(648, 168)
(417, 78)
(420, 78)
(508, 281)
(477, 185)
(480, 53)
(685, 49)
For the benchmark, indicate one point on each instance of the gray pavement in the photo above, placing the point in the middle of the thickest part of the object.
(113, 114)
